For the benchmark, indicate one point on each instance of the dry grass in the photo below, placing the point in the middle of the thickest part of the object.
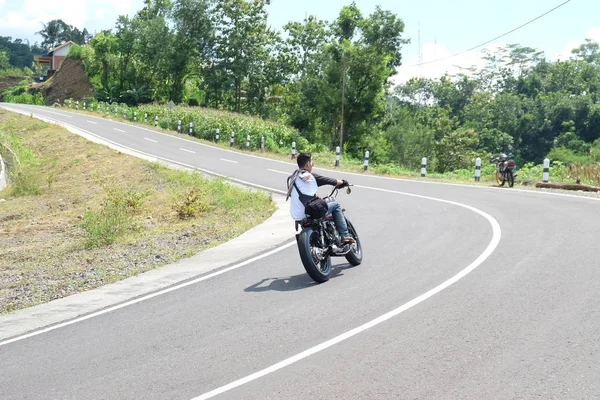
(587, 173)
(45, 251)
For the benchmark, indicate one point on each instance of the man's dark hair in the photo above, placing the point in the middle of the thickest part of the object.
(302, 159)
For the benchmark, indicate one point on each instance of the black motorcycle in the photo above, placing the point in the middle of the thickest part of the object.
(319, 240)
(505, 170)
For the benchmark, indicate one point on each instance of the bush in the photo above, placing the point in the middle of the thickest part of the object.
(114, 219)
(26, 98)
(105, 226)
(26, 180)
(190, 203)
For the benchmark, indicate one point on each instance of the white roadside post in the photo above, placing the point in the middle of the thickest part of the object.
(477, 169)
(156, 121)
(135, 116)
(366, 166)
(262, 143)
(546, 175)
(293, 150)
(232, 139)
(146, 117)
(84, 106)
(77, 105)
(337, 156)
(179, 126)
(191, 128)
(247, 142)
(424, 167)
(217, 135)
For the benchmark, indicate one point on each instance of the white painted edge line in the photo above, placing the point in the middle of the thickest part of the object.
(278, 172)
(119, 130)
(151, 140)
(143, 298)
(92, 122)
(496, 236)
(189, 151)
(505, 190)
(53, 112)
(229, 161)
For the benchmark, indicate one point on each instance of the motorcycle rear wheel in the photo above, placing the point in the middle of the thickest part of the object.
(308, 244)
(510, 178)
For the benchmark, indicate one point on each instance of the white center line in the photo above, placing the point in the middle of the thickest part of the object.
(151, 140)
(92, 122)
(496, 235)
(279, 172)
(119, 130)
(189, 151)
(231, 161)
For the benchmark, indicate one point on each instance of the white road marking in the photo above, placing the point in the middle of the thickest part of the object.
(231, 161)
(497, 234)
(61, 114)
(151, 140)
(119, 130)
(140, 299)
(92, 122)
(279, 172)
(189, 151)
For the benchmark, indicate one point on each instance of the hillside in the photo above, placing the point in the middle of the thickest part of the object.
(69, 81)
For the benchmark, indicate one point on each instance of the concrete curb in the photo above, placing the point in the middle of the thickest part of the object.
(275, 231)
(3, 178)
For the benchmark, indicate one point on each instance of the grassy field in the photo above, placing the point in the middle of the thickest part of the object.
(79, 215)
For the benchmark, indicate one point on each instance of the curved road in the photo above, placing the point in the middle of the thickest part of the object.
(514, 311)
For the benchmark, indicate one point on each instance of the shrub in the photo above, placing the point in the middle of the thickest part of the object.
(190, 203)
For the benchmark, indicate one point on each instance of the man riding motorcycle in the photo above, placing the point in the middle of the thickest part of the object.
(303, 184)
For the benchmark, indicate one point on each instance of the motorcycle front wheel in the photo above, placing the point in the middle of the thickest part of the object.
(355, 256)
(500, 178)
(309, 247)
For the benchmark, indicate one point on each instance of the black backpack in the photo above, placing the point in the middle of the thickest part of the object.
(314, 206)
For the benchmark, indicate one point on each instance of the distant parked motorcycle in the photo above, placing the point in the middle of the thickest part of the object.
(505, 169)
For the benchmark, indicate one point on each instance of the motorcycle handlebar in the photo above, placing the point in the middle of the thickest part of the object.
(336, 188)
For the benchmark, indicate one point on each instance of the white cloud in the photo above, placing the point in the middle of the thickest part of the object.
(1, 3)
(22, 19)
(593, 34)
(452, 65)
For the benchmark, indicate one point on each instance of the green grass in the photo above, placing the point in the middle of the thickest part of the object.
(98, 216)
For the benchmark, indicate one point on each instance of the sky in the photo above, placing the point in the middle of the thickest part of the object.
(446, 27)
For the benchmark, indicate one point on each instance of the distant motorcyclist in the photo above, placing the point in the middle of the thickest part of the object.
(306, 183)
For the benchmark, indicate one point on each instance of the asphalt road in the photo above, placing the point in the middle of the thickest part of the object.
(515, 310)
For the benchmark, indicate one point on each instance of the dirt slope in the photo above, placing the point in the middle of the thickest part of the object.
(10, 81)
(69, 81)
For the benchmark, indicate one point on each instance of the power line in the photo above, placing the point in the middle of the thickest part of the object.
(491, 40)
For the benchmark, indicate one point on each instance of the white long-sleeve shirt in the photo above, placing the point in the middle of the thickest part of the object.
(308, 183)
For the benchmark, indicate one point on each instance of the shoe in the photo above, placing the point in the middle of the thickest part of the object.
(348, 239)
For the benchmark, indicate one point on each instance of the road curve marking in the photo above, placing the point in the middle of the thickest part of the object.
(147, 297)
(496, 235)
(92, 122)
(189, 151)
(151, 140)
(229, 161)
(113, 144)
(119, 130)
(279, 172)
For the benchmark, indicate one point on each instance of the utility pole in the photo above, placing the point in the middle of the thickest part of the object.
(343, 88)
